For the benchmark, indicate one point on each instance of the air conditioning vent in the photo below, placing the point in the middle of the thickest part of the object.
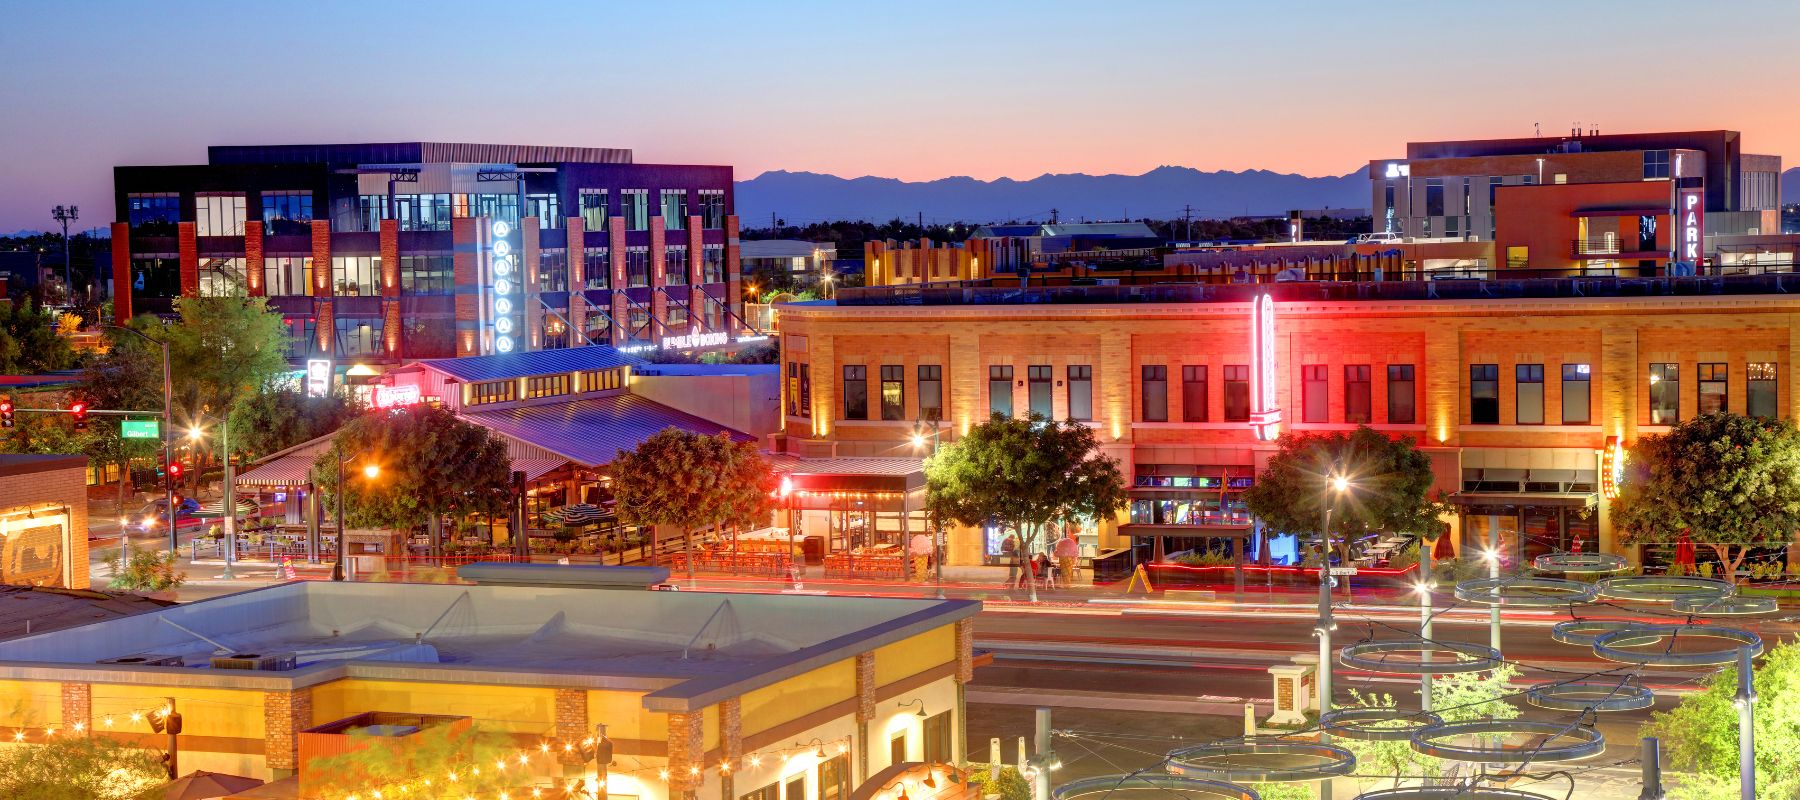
(267, 662)
(144, 660)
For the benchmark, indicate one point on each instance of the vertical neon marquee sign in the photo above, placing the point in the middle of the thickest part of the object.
(503, 264)
(1265, 416)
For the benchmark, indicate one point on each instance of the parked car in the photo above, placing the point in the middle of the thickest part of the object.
(1382, 237)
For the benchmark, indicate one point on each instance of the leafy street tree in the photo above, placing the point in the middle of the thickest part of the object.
(1731, 481)
(275, 418)
(376, 766)
(79, 768)
(128, 376)
(29, 343)
(686, 480)
(1390, 478)
(1701, 733)
(1024, 472)
(433, 465)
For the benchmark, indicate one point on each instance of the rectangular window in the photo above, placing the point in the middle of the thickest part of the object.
(1358, 405)
(795, 788)
(893, 391)
(1577, 389)
(428, 274)
(1038, 388)
(1237, 393)
(287, 212)
(422, 212)
(634, 206)
(593, 209)
(1714, 396)
(546, 386)
(1434, 197)
(287, 276)
(1665, 394)
(596, 268)
(637, 267)
(493, 392)
(1081, 392)
(806, 390)
(1155, 389)
(1000, 389)
(1402, 397)
(897, 748)
(770, 792)
(222, 277)
(1528, 394)
(546, 207)
(1759, 400)
(938, 745)
(219, 214)
(931, 392)
(370, 210)
(599, 380)
(856, 391)
(153, 213)
(1484, 394)
(1193, 393)
(675, 266)
(1656, 164)
(1314, 407)
(712, 263)
(358, 336)
(356, 276)
(675, 314)
(553, 271)
(712, 209)
(674, 209)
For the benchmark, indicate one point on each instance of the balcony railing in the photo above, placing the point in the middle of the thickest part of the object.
(1611, 246)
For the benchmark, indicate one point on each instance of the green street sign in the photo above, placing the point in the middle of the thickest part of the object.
(141, 429)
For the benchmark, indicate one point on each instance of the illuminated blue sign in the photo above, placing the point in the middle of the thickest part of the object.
(503, 266)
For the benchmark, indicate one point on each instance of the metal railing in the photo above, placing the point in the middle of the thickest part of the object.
(1611, 246)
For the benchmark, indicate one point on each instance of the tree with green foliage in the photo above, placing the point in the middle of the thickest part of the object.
(432, 466)
(146, 571)
(1700, 734)
(688, 481)
(79, 767)
(1024, 472)
(1731, 482)
(275, 418)
(374, 765)
(1390, 482)
(128, 376)
(1458, 697)
(29, 343)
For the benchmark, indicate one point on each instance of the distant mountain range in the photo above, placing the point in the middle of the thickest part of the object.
(1161, 193)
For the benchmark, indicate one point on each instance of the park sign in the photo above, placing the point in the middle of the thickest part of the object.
(140, 429)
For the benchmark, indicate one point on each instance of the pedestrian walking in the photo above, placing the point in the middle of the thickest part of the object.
(1009, 552)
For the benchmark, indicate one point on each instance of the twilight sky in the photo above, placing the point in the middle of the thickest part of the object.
(914, 90)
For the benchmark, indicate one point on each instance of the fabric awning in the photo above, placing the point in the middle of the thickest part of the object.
(1546, 499)
(291, 469)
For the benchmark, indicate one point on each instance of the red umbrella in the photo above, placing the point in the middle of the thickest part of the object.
(1444, 550)
(1684, 550)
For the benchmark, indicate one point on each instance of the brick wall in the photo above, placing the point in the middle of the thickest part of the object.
(77, 705)
(467, 277)
(121, 272)
(576, 261)
(734, 279)
(659, 302)
(285, 715)
(616, 254)
(253, 257)
(687, 751)
(188, 246)
(64, 487)
(571, 723)
(325, 322)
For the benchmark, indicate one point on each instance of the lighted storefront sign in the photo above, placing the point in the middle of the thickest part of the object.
(693, 340)
(1265, 416)
(396, 396)
(1612, 467)
(503, 286)
(1692, 230)
(318, 377)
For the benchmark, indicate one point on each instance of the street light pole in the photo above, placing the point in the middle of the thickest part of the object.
(1424, 589)
(66, 216)
(937, 531)
(228, 500)
(338, 571)
(1338, 485)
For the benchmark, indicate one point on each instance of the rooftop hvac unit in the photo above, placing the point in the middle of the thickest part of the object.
(267, 662)
(144, 660)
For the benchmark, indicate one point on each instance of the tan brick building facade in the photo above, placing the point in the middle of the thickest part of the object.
(44, 520)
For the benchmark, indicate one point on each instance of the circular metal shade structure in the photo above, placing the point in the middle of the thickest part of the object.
(1584, 631)
(1162, 785)
(1384, 657)
(1526, 591)
(1578, 562)
(1550, 741)
(1261, 761)
(1622, 645)
(1729, 606)
(1585, 695)
(1378, 724)
(1450, 793)
(1661, 588)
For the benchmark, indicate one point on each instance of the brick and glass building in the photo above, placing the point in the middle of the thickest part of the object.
(378, 253)
(1518, 390)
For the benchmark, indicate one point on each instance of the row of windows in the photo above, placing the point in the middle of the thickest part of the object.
(593, 380)
(291, 211)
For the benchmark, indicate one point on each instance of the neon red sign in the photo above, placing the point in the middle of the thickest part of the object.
(396, 396)
(1612, 467)
(1265, 415)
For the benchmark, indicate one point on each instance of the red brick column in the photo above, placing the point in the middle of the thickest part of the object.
(390, 258)
(576, 259)
(530, 237)
(571, 724)
(734, 282)
(865, 711)
(687, 753)
(467, 277)
(77, 706)
(965, 650)
(189, 247)
(390, 327)
(323, 319)
(253, 258)
(696, 299)
(285, 715)
(121, 272)
(731, 743)
(616, 253)
(659, 262)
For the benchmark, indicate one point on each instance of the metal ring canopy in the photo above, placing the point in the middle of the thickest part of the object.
(1585, 695)
(1371, 656)
(1376, 724)
(1611, 646)
(1526, 591)
(1579, 562)
(1733, 605)
(1661, 588)
(1105, 785)
(1582, 742)
(1584, 631)
(1236, 761)
(1450, 793)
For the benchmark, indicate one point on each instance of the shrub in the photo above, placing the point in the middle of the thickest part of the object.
(146, 571)
(1011, 786)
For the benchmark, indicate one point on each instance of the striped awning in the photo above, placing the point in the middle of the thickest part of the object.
(292, 469)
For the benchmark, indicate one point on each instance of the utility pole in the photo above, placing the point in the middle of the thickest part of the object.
(1187, 226)
(1040, 779)
(66, 216)
(1650, 760)
(1052, 216)
(1746, 707)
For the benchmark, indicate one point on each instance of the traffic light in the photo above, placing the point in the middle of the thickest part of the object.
(174, 471)
(79, 411)
(6, 412)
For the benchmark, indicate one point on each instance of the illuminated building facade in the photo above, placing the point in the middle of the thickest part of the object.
(1516, 389)
(378, 253)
